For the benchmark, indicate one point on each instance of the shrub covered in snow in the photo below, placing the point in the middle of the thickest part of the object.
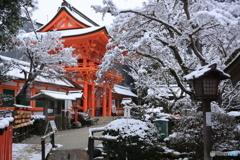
(187, 135)
(136, 138)
(147, 114)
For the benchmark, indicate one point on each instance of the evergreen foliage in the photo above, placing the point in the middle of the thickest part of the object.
(11, 19)
(187, 135)
(138, 140)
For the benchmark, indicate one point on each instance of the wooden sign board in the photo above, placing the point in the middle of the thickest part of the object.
(53, 125)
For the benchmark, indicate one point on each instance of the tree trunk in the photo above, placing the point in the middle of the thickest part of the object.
(22, 92)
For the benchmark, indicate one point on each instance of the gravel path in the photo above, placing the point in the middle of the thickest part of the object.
(72, 154)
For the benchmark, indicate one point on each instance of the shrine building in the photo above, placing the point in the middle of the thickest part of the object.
(89, 40)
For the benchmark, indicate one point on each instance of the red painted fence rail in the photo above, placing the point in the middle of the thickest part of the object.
(6, 131)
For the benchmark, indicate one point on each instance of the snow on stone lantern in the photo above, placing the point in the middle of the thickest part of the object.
(205, 81)
(127, 103)
(127, 111)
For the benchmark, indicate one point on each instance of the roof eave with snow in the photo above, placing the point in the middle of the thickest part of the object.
(123, 91)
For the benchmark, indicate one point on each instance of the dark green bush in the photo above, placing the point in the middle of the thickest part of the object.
(187, 135)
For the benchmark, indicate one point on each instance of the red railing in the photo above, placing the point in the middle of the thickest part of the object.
(6, 130)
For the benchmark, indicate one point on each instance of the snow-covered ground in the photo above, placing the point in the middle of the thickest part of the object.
(29, 151)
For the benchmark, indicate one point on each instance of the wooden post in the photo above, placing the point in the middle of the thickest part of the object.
(85, 92)
(52, 140)
(109, 101)
(2, 130)
(43, 148)
(207, 129)
(10, 133)
(6, 143)
(91, 148)
(104, 101)
(108, 150)
(93, 100)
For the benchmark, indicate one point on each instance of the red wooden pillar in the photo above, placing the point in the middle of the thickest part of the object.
(5, 150)
(104, 101)
(93, 107)
(2, 130)
(109, 101)
(75, 114)
(8, 143)
(84, 62)
(85, 92)
(10, 133)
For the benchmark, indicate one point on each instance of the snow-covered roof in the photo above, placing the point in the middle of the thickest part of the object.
(17, 74)
(123, 91)
(74, 13)
(81, 31)
(79, 16)
(53, 94)
(22, 106)
(204, 70)
(70, 32)
(76, 94)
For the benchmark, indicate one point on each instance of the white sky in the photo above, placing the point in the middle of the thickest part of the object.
(48, 9)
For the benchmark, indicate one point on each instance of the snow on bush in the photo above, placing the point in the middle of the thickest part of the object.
(140, 140)
(187, 135)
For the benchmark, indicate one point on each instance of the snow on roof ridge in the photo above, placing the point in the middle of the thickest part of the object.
(120, 86)
(119, 89)
(16, 60)
(73, 9)
(78, 31)
(48, 91)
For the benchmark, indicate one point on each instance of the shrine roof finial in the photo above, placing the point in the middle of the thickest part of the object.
(65, 3)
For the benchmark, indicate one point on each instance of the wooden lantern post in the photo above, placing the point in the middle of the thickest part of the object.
(205, 82)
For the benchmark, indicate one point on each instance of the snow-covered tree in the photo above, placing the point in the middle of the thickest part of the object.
(164, 40)
(11, 19)
(46, 55)
(6, 65)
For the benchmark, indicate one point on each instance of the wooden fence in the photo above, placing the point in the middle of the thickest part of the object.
(92, 138)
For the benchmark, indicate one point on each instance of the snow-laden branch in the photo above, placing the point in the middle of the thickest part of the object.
(165, 40)
(154, 19)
